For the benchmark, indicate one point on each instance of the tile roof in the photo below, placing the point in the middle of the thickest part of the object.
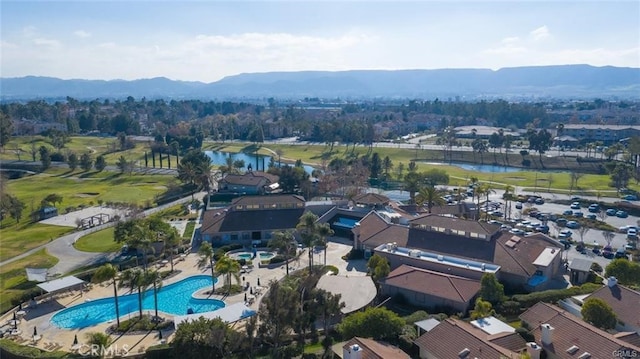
(451, 287)
(372, 349)
(268, 199)
(466, 225)
(370, 199)
(624, 301)
(514, 259)
(570, 331)
(449, 338)
(258, 220)
(251, 178)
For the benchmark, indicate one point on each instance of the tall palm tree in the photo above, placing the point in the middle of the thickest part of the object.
(324, 231)
(283, 242)
(134, 279)
(431, 196)
(153, 278)
(109, 272)
(228, 267)
(101, 340)
(508, 196)
(206, 258)
(171, 240)
(307, 228)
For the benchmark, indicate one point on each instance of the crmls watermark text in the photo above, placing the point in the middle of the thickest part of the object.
(93, 350)
(626, 353)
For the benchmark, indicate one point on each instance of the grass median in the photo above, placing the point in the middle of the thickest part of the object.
(98, 242)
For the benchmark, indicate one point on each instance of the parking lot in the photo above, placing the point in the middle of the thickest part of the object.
(592, 237)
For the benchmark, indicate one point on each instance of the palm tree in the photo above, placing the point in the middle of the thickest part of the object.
(101, 340)
(153, 278)
(324, 231)
(283, 242)
(228, 267)
(134, 279)
(107, 272)
(206, 258)
(307, 228)
(171, 240)
(508, 196)
(431, 196)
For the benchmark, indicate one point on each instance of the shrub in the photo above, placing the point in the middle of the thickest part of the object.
(525, 334)
(354, 254)
(554, 295)
(332, 269)
(276, 259)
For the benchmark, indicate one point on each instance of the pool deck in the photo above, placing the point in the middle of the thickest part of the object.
(40, 316)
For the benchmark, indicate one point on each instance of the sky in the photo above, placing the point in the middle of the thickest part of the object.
(208, 40)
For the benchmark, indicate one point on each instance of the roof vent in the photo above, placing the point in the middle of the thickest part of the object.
(585, 355)
(572, 350)
(464, 352)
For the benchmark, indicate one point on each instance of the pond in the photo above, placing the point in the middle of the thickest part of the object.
(258, 162)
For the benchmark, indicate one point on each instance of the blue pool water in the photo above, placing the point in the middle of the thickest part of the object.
(246, 256)
(172, 299)
(267, 255)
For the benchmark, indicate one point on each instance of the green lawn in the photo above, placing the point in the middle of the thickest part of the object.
(18, 239)
(188, 231)
(100, 241)
(13, 277)
(76, 189)
(79, 145)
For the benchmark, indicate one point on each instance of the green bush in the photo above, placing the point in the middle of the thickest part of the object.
(554, 295)
(525, 334)
(332, 269)
(276, 260)
(354, 254)
(141, 324)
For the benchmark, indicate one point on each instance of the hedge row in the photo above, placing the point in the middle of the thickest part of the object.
(553, 295)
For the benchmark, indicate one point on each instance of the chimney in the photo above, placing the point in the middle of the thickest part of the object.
(612, 282)
(352, 352)
(534, 350)
(547, 334)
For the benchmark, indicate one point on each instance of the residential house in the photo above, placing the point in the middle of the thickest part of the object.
(431, 289)
(454, 338)
(249, 183)
(364, 348)
(624, 301)
(562, 335)
(252, 219)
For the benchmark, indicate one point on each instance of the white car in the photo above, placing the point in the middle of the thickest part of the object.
(625, 229)
(632, 232)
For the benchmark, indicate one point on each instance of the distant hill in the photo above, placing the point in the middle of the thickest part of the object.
(566, 81)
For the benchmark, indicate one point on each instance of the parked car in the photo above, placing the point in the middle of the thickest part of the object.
(561, 222)
(625, 229)
(517, 231)
(608, 254)
(630, 247)
(630, 197)
(568, 212)
(573, 225)
(621, 253)
(591, 216)
(542, 228)
(622, 214)
(594, 208)
(611, 212)
(566, 243)
(518, 205)
(578, 214)
(575, 198)
(575, 205)
(632, 233)
(539, 201)
(565, 234)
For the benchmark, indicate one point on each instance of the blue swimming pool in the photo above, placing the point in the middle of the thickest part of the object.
(174, 299)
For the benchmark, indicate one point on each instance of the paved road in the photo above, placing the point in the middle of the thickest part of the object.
(71, 258)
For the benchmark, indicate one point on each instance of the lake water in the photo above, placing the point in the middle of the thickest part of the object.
(479, 168)
(258, 162)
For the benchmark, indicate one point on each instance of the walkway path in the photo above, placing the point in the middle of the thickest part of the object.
(71, 258)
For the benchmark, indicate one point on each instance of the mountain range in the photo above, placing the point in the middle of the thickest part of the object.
(562, 81)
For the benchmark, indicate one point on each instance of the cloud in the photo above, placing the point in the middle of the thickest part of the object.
(46, 42)
(540, 33)
(82, 34)
(510, 40)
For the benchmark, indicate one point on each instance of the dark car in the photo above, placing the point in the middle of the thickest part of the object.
(561, 222)
(568, 212)
(539, 201)
(566, 243)
(611, 212)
